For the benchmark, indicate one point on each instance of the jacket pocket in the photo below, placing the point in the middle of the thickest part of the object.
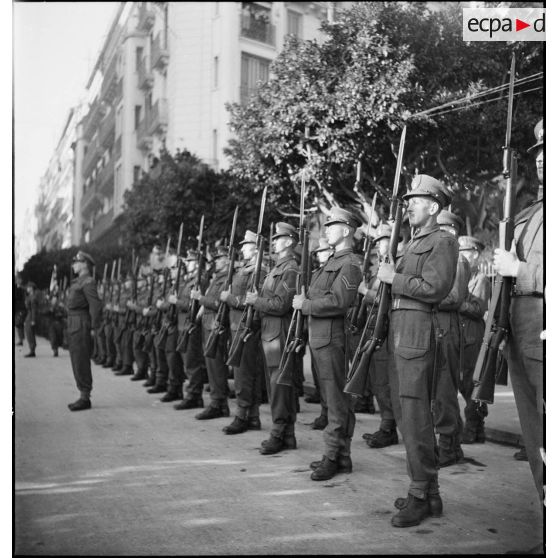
(271, 328)
(319, 332)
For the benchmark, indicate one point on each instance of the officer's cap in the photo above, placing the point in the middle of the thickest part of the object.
(285, 229)
(539, 135)
(249, 237)
(446, 217)
(322, 245)
(339, 215)
(221, 252)
(424, 185)
(191, 256)
(470, 243)
(82, 256)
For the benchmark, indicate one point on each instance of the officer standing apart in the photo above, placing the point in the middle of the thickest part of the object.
(84, 316)
(419, 281)
(524, 349)
(274, 306)
(32, 307)
(331, 294)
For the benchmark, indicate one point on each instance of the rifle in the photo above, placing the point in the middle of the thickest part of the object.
(359, 309)
(135, 270)
(108, 313)
(104, 283)
(162, 328)
(245, 328)
(375, 329)
(172, 310)
(53, 284)
(118, 322)
(295, 335)
(485, 375)
(220, 323)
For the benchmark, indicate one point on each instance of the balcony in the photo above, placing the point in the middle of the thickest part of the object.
(159, 55)
(158, 117)
(106, 131)
(256, 26)
(96, 112)
(146, 18)
(90, 200)
(145, 76)
(105, 178)
(117, 149)
(110, 82)
(91, 158)
(102, 225)
(119, 89)
(143, 140)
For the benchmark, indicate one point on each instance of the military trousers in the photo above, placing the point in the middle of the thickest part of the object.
(194, 364)
(319, 390)
(110, 347)
(248, 377)
(80, 347)
(330, 363)
(525, 367)
(379, 384)
(412, 335)
(30, 334)
(175, 366)
(55, 334)
(217, 371)
(282, 398)
(117, 336)
(127, 345)
(101, 344)
(140, 356)
(447, 413)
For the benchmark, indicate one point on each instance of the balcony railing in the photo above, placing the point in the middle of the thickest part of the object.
(143, 140)
(145, 76)
(105, 178)
(102, 224)
(117, 149)
(110, 81)
(119, 89)
(106, 131)
(96, 112)
(159, 54)
(158, 117)
(257, 29)
(146, 18)
(91, 158)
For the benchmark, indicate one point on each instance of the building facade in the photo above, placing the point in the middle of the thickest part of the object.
(162, 79)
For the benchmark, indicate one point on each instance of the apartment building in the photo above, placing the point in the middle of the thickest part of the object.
(162, 78)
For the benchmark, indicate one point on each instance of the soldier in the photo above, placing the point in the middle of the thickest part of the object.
(31, 318)
(524, 348)
(471, 314)
(331, 293)
(192, 357)
(247, 376)
(20, 311)
(274, 303)
(419, 281)
(110, 347)
(118, 312)
(127, 317)
(382, 374)
(84, 313)
(448, 417)
(56, 313)
(323, 252)
(101, 342)
(217, 370)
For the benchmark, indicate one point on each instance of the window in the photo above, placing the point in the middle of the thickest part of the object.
(294, 23)
(118, 123)
(137, 173)
(137, 117)
(255, 23)
(215, 72)
(253, 71)
(139, 58)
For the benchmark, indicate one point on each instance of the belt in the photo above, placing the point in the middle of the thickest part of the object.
(78, 312)
(411, 304)
(515, 294)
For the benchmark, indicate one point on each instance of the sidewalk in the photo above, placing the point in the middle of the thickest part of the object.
(132, 476)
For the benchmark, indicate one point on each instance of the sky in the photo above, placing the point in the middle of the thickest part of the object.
(55, 46)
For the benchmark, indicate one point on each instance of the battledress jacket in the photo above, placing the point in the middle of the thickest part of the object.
(83, 297)
(210, 300)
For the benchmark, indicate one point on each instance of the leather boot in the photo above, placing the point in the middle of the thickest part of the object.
(30, 354)
(125, 371)
(412, 514)
(381, 438)
(344, 464)
(237, 426)
(254, 423)
(174, 393)
(434, 501)
(190, 403)
(275, 444)
(213, 412)
(469, 433)
(80, 405)
(150, 382)
(326, 470)
(520, 455)
(157, 388)
(117, 367)
(108, 364)
(319, 423)
(314, 398)
(139, 375)
(55, 353)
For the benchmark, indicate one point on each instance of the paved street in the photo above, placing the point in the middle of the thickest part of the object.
(133, 476)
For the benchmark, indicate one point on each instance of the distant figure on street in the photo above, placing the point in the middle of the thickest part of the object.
(19, 309)
(32, 308)
(84, 315)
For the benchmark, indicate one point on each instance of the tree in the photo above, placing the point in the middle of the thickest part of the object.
(381, 63)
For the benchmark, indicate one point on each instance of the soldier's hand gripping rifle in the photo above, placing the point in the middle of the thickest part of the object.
(129, 312)
(145, 341)
(108, 313)
(173, 310)
(496, 329)
(359, 309)
(193, 318)
(245, 328)
(375, 329)
(160, 329)
(220, 323)
(295, 335)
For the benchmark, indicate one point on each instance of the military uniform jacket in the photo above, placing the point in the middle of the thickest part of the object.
(241, 282)
(184, 299)
(473, 308)
(275, 300)
(331, 293)
(528, 236)
(210, 300)
(82, 297)
(32, 306)
(425, 273)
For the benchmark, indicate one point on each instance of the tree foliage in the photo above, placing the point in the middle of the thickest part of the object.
(381, 63)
